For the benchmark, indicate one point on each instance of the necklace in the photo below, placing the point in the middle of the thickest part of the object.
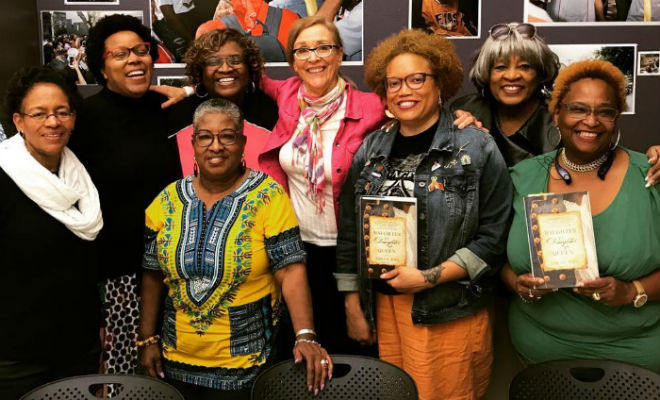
(590, 166)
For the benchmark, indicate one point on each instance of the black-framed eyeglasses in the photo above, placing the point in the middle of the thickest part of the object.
(42, 116)
(122, 53)
(582, 111)
(413, 81)
(232, 61)
(322, 51)
(226, 137)
(500, 31)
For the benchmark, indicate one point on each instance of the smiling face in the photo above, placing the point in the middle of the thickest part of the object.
(218, 160)
(130, 77)
(513, 82)
(417, 109)
(586, 139)
(45, 139)
(227, 81)
(319, 75)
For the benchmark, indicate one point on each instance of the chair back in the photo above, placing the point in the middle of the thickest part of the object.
(354, 377)
(584, 379)
(126, 387)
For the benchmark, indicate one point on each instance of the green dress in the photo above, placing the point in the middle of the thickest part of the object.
(565, 324)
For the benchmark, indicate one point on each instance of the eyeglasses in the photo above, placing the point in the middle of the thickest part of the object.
(413, 81)
(42, 116)
(500, 31)
(232, 61)
(122, 53)
(322, 51)
(582, 111)
(205, 138)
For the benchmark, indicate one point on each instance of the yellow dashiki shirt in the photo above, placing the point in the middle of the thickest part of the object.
(222, 305)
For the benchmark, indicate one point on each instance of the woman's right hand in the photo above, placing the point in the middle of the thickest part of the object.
(356, 324)
(151, 360)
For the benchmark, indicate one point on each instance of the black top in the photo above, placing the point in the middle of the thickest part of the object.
(538, 134)
(123, 144)
(49, 290)
(257, 108)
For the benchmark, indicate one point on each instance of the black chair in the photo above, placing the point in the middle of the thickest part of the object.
(585, 379)
(84, 387)
(354, 377)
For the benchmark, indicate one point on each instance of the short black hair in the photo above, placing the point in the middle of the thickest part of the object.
(24, 80)
(106, 27)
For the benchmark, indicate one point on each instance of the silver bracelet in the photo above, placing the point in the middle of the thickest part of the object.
(305, 331)
(306, 341)
(189, 90)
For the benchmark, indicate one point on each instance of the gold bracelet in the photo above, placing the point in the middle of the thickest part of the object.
(148, 341)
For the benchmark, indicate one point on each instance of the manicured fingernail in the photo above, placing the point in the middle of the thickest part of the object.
(316, 392)
(322, 386)
(648, 185)
(162, 375)
(309, 388)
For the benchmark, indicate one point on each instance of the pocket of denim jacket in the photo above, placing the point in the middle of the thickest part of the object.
(249, 326)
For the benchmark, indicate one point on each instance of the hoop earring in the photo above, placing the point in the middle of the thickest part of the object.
(616, 143)
(440, 100)
(201, 91)
(252, 87)
(195, 169)
(483, 92)
(389, 114)
(558, 136)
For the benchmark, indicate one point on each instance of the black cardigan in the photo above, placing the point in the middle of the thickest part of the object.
(52, 310)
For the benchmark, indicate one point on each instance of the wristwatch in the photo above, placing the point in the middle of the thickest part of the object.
(641, 297)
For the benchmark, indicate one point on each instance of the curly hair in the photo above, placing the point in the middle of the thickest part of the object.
(106, 27)
(533, 50)
(24, 80)
(445, 64)
(589, 69)
(210, 42)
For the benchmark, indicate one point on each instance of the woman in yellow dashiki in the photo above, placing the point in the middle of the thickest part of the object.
(224, 242)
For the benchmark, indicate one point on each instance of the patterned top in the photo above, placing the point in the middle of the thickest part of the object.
(223, 301)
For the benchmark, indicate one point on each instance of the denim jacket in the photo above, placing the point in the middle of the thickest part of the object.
(464, 220)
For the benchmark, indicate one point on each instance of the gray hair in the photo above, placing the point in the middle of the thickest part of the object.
(534, 51)
(223, 106)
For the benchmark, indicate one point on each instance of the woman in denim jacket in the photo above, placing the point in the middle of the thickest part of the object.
(431, 320)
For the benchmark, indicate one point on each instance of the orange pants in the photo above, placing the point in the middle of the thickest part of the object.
(451, 360)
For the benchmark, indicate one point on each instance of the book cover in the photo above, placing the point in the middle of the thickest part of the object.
(388, 239)
(561, 238)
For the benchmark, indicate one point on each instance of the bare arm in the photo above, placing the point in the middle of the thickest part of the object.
(329, 9)
(600, 12)
(151, 294)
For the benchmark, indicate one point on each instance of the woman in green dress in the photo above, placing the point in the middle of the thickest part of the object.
(616, 316)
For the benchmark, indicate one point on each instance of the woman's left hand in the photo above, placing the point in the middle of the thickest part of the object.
(610, 291)
(465, 118)
(174, 94)
(318, 364)
(406, 280)
(653, 154)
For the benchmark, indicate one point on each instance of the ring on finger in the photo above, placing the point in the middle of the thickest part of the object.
(531, 296)
(596, 296)
(324, 362)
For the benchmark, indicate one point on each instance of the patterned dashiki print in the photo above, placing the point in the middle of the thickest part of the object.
(223, 302)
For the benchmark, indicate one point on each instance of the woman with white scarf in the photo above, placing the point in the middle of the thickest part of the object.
(49, 218)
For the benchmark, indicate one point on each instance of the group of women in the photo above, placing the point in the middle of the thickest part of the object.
(265, 216)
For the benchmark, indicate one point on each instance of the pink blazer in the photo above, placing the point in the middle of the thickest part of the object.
(364, 114)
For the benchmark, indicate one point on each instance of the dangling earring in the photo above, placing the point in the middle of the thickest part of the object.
(545, 92)
(558, 136)
(483, 92)
(200, 90)
(252, 87)
(389, 114)
(195, 169)
(440, 100)
(243, 167)
(618, 137)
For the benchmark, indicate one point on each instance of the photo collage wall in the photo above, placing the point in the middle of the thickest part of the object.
(626, 32)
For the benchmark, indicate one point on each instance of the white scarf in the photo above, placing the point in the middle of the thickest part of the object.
(58, 195)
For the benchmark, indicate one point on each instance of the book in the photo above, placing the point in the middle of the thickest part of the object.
(561, 238)
(388, 234)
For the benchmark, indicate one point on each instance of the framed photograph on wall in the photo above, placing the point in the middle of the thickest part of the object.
(592, 12)
(64, 36)
(178, 80)
(648, 63)
(91, 2)
(621, 55)
(177, 23)
(456, 19)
